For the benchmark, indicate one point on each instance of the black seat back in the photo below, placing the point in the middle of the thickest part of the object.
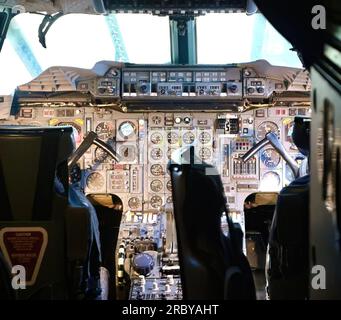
(39, 228)
(212, 265)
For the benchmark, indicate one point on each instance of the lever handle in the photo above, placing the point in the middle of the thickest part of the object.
(90, 139)
(271, 138)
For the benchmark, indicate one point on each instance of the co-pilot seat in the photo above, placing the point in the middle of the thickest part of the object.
(288, 266)
(46, 225)
(212, 265)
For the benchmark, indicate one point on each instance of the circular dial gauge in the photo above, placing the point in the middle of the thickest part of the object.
(169, 185)
(134, 203)
(169, 199)
(155, 201)
(156, 138)
(127, 129)
(172, 137)
(156, 120)
(100, 155)
(205, 153)
(270, 158)
(156, 185)
(204, 137)
(127, 152)
(270, 181)
(105, 130)
(188, 137)
(156, 154)
(156, 170)
(265, 127)
(169, 153)
(95, 181)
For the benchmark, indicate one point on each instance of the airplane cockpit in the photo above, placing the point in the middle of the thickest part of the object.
(168, 150)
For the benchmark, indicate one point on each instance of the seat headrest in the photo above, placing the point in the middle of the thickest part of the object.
(30, 160)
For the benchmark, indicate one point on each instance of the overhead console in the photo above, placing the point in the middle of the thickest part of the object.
(152, 87)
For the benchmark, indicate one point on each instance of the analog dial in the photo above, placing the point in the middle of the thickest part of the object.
(188, 137)
(204, 137)
(156, 185)
(156, 154)
(172, 137)
(270, 158)
(155, 202)
(134, 203)
(156, 170)
(105, 130)
(265, 127)
(95, 181)
(156, 138)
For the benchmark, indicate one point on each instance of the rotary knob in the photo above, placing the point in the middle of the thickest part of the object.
(143, 88)
(260, 90)
(143, 264)
(250, 90)
(233, 88)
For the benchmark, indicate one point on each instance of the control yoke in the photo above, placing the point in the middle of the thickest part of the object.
(271, 138)
(90, 139)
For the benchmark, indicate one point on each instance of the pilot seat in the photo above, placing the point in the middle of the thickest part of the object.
(48, 229)
(212, 263)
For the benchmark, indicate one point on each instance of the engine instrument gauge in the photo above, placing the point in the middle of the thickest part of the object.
(156, 185)
(134, 203)
(204, 137)
(270, 158)
(188, 137)
(265, 127)
(105, 130)
(205, 153)
(95, 181)
(156, 201)
(156, 170)
(156, 154)
(156, 138)
(172, 137)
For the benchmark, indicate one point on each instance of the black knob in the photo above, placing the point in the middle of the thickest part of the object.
(143, 263)
(233, 88)
(143, 88)
(250, 90)
(260, 90)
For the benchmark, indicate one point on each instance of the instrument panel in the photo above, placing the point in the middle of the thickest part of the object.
(149, 113)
